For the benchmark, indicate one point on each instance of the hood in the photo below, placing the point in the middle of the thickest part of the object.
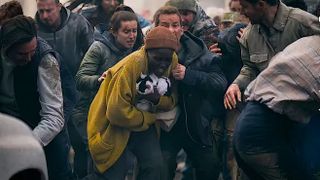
(65, 15)
(193, 45)
(200, 20)
(108, 39)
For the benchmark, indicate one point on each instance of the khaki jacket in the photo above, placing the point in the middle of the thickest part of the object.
(258, 46)
(290, 85)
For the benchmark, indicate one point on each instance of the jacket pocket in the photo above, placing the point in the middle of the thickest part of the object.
(259, 58)
(100, 151)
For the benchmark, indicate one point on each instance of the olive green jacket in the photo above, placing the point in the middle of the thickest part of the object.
(102, 55)
(258, 46)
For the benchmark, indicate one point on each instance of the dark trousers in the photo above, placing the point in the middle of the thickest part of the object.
(204, 159)
(77, 128)
(145, 146)
(57, 152)
(306, 140)
(265, 147)
(223, 132)
(82, 159)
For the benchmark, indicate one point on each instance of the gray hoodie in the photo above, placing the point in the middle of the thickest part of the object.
(72, 39)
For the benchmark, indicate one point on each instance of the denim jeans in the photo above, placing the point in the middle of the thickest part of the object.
(266, 145)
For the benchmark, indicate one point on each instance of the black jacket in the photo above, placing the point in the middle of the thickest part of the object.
(26, 89)
(201, 91)
(231, 63)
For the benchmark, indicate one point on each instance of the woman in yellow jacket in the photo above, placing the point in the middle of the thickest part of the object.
(116, 126)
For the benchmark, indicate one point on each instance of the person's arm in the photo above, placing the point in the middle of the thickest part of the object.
(121, 111)
(87, 77)
(86, 34)
(309, 25)
(51, 101)
(167, 103)
(248, 71)
(209, 78)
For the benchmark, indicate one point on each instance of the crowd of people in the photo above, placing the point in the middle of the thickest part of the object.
(234, 98)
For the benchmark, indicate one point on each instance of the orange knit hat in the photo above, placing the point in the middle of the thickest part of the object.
(161, 37)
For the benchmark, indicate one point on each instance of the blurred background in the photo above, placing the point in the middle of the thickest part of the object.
(146, 8)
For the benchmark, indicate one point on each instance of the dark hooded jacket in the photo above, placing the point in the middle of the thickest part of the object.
(72, 39)
(201, 91)
(204, 27)
(231, 53)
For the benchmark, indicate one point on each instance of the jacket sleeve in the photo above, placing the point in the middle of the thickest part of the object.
(87, 77)
(86, 34)
(120, 109)
(248, 71)
(51, 101)
(309, 25)
(211, 78)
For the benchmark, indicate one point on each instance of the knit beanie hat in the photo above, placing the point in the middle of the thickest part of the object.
(183, 4)
(16, 30)
(161, 37)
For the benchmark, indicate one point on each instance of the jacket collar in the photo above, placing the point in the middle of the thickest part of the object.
(108, 39)
(191, 47)
(281, 17)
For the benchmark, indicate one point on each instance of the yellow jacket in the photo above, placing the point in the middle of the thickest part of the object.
(112, 115)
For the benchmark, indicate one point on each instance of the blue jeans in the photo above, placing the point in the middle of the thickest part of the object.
(267, 145)
(306, 140)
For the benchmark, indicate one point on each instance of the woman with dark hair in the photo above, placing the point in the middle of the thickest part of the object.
(139, 40)
(105, 52)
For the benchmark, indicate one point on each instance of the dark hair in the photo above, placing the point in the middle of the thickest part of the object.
(165, 10)
(17, 30)
(270, 2)
(139, 40)
(120, 16)
(55, 1)
(123, 7)
(98, 2)
(9, 10)
(125, 13)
